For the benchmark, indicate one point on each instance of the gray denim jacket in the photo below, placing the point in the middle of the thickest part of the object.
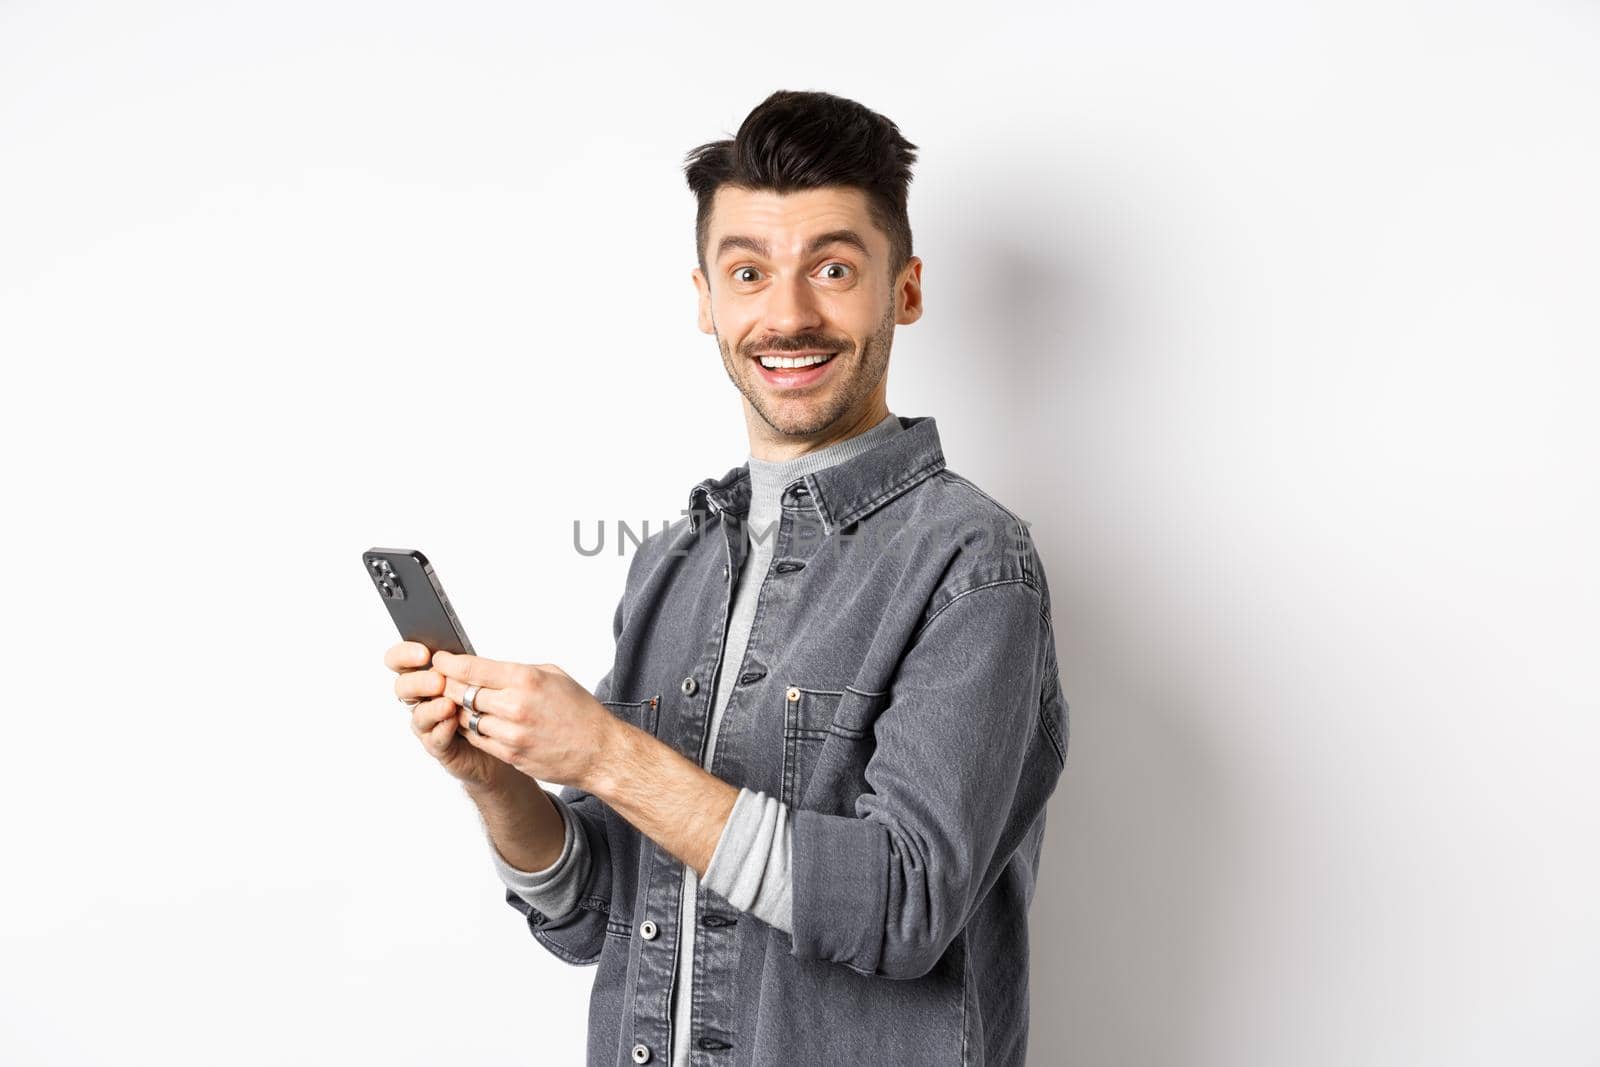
(900, 693)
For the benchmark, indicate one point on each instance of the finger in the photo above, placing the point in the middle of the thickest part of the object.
(407, 655)
(489, 701)
(439, 739)
(478, 670)
(430, 713)
(489, 724)
(485, 738)
(414, 684)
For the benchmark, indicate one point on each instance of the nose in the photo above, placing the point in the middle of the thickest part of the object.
(791, 307)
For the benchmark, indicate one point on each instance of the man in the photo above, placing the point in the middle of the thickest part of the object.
(802, 814)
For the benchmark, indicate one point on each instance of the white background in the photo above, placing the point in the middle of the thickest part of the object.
(1277, 321)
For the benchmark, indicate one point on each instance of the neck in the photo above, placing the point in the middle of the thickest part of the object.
(768, 477)
(774, 448)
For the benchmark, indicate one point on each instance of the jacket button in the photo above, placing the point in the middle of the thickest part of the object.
(641, 1054)
(724, 570)
(689, 686)
(647, 930)
(792, 694)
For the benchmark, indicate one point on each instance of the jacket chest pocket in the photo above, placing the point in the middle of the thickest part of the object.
(640, 713)
(827, 742)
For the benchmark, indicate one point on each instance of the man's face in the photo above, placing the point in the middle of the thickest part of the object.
(801, 274)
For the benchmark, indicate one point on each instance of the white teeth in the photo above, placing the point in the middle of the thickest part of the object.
(775, 362)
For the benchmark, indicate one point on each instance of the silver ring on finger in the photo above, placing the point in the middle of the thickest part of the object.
(413, 702)
(471, 695)
(472, 722)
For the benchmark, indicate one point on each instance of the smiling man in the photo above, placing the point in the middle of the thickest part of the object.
(802, 815)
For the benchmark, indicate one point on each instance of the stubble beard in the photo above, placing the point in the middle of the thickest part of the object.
(863, 376)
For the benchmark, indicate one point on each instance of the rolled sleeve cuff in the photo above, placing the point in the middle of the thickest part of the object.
(751, 865)
(554, 890)
(841, 889)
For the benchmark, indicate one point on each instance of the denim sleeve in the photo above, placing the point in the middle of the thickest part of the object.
(963, 763)
(578, 936)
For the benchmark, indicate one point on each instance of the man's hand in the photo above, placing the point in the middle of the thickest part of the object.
(539, 721)
(434, 720)
(535, 717)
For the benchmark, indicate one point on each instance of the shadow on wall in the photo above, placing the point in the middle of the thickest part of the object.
(1137, 843)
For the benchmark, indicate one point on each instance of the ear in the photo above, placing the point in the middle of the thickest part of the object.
(908, 293)
(704, 289)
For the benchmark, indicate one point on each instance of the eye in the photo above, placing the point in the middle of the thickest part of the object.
(740, 271)
(841, 266)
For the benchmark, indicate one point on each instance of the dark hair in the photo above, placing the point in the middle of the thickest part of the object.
(808, 140)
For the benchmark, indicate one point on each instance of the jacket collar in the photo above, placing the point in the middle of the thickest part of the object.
(844, 492)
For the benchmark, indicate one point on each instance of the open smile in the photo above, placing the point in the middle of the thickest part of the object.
(793, 370)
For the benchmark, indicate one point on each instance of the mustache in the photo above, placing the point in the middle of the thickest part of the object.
(795, 344)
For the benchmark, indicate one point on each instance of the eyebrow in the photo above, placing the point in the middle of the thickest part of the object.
(819, 242)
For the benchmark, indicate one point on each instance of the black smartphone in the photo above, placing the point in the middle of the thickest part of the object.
(416, 601)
